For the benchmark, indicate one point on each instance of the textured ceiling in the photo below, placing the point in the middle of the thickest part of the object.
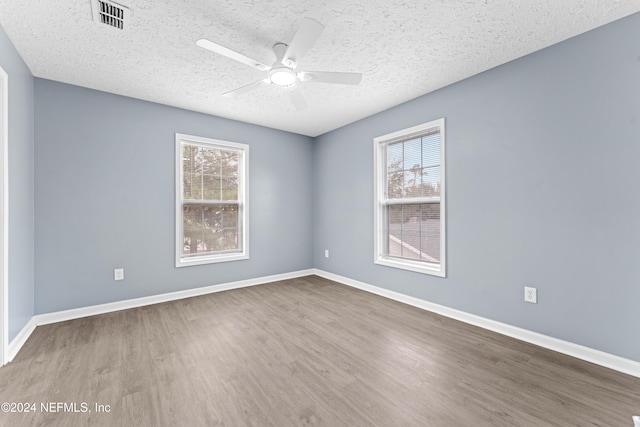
(403, 48)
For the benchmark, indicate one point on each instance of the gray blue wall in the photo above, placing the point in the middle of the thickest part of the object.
(105, 193)
(21, 258)
(543, 168)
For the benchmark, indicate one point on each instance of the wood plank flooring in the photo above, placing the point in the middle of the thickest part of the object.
(301, 352)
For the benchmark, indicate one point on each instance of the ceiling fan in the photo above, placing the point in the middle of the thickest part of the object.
(284, 72)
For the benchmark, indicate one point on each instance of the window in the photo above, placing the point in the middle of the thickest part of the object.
(410, 199)
(211, 201)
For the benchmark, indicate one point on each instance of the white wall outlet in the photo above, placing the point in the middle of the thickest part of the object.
(531, 295)
(118, 274)
(326, 253)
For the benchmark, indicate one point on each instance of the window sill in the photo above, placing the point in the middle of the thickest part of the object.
(212, 259)
(415, 266)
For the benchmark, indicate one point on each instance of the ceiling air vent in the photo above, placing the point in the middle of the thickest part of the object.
(110, 13)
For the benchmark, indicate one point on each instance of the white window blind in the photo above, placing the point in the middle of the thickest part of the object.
(409, 203)
(211, 199)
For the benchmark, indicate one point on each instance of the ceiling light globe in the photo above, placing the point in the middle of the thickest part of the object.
(282, 76)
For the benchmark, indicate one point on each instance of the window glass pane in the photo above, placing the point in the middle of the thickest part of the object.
(188, 153)
(412, 154)
(211, 161)
(413, 167)
(414, 231)
(186, 186)
(187, 166)
(213, 240)
(431, 181)
(394, 157)
(192, 242)
(192, 216)
(211, 187)
(410, 231)
(212, 216)
(230, 239)
(413, 183)
(196, 187)
(229, 165)
(395, 184)
(196, 166)
(430, 232)
(431, 150)
(230, 217)
(229, 187)
(187, 244)
(394, 226)
(210, 229)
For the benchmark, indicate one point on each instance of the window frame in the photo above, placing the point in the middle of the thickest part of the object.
(243, 200)
(381, 202)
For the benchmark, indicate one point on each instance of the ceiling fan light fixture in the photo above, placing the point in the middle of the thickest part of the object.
(282, 76)
(284, 73)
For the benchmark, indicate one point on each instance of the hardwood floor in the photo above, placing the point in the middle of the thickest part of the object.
(301, 352)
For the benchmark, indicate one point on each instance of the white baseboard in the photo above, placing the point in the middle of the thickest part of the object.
(598, 357)
(76, 313)
(16, 344)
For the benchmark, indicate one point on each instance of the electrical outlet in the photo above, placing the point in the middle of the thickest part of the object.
(118, 274)
(531, 295)
(326, 253)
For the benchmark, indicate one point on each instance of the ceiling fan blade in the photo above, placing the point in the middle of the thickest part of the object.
(298, 101)
(244, 89)
(331, 77)
(224, 51)
(305, 37)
